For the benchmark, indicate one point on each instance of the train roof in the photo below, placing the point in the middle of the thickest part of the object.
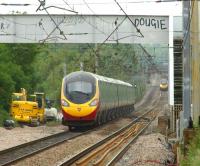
(104, 79)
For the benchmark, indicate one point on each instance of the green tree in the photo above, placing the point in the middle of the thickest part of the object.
(16, 70)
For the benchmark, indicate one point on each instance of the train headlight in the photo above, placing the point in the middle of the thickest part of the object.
(94, 102)
(64, 103)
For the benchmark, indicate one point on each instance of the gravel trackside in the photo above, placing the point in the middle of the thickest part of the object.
(18, 135)
(66, 150)
(148, 150)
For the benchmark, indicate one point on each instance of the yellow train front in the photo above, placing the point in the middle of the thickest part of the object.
(90, 99)
(163, 85)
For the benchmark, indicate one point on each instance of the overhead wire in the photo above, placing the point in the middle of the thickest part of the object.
(107, 39)
(138, 30)
(68, 4)
(14, 4)
(41, 26)
(146, 56)
(56, 27)
(89, 23)
(114, 30)
(94, 12)
(94, 26)
(124, 37)
(103, 3)
(42, 4)
(99, 46)
(117, 26)
(149, 57)
(61, 8)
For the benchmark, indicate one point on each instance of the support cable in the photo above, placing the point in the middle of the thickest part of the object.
(94, 12)
(88, 22)
(149, 58)
(42, 4)
(138, 30)
(113, 31)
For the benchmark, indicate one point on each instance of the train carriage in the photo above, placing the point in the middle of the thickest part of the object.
(89, 99)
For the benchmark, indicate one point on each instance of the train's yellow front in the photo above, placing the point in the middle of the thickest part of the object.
(163, 85)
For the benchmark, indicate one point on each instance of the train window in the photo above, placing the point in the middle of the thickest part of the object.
(80, 86)
(79, 92)
(163, 81)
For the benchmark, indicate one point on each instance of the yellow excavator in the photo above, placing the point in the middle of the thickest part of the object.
(29, 110)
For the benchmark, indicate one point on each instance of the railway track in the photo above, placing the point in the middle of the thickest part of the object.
(20, 152)
(11, 155)
(110, 149)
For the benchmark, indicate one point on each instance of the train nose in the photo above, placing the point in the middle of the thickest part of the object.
(78, 109)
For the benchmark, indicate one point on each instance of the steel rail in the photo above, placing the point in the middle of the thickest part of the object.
(117, 145)
(4, 154)
(77, 157)
(19, 152)
(14, 154)
(118, 156)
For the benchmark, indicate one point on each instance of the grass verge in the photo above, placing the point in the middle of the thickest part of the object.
(193, 155)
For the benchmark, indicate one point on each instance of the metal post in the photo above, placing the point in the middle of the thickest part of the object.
(65, 67)
(195, 61)
(171, 63)
(81, 66)
(186, 63)
(96, 56)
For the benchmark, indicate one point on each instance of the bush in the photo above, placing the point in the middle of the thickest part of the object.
(3, 116)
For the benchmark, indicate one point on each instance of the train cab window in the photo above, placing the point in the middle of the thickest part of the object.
(163, 81)
(80, 86)
(80, 90)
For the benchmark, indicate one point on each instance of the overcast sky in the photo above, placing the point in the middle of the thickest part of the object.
(132, 7)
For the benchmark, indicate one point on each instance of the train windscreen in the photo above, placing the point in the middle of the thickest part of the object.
(79, 90)
(163, 81)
